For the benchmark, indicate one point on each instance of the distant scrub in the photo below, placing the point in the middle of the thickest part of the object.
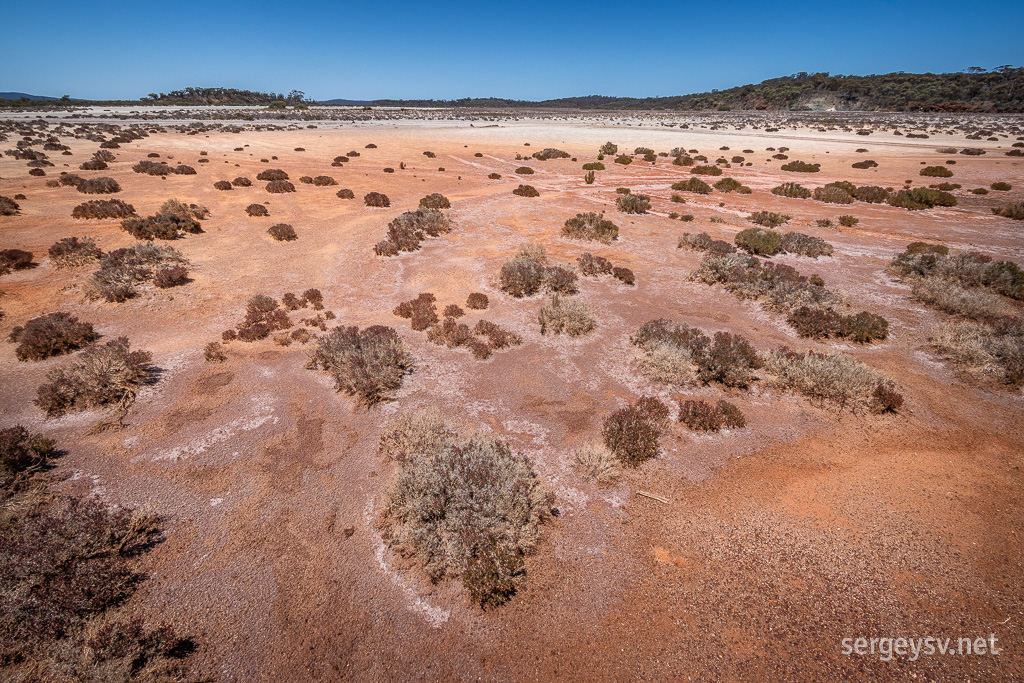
(867, 163)
(1013, 210)
(835, 193)
(524, 170)
(103, 208)
(801, 167)
(706, 170)
(241, 181)
(920, 198)
(550, 153)
(99, 186)
(692, 185)
(593, 166)
(376, 199)
(8, 207)
(768, 219)
(633, 203)
(222, 185)
(732, 185)
(526, 191)
(936, 172)
(624, 159)
(871, 194)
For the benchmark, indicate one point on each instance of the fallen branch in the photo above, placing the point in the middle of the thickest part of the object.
(651, 495)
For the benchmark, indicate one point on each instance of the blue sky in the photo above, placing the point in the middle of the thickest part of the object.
(522, 50)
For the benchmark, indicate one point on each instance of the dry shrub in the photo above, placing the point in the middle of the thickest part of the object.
(700, 416)
(241, 181)
(376, 199)
(559, 280)
(702, 241)
(594, 265)
(828, 376)
(706, 170)
(453, 311)
(120, 270)
(597, 462)
(346, 194)
(214, 353)
(566, 314)
(279, 187)
(257, 210)
(163, 226)
(182, 169)
(833, 193)
(819, 323)
(15, 259)
(324, 181)
(272, 174)
(407, 231)
(949, 297)
(222, 185)
(805, 245)
(435, 200)
(99, 186)
(8, 207)
(450, 333)
(477, 301)
(521, 277)
(72, 252)
(53, 334)
(102, 375)
(550, 153)
(526, 191)
(69, 180)
(1014, 210)
(421, 311)
(460, 506)
(675, 353)
(633, 203)
(801, 167)
(282, 232)
(920, 198)
(632, 433)
(368, 364)
(758, 241)
(936, 172)
(591, 226)
(732, 185)
(103, 208)
(872, 194)
(93, 165)
(174, 276)
(989, 350)
(623, 275)
(494, 176)
(524, 170)
(154, 168)
(768, 219)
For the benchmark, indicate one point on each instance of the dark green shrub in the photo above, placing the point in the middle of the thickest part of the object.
(706, 170)
(731, 185)
(593, 166)
(624, 159)
(609, 148)
(936, 172)
(801, 167)
(759, 241)
(53, 334)
(692, 184)
(791, 190)
(867, 163)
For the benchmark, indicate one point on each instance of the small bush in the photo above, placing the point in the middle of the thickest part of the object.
(633, 203)
(121, 269)
(407, 231)
(93, 165)
(990, 350)
(346, 194)
(1013, 210)
(833, 193)
(624, 275)
(609, 148)
(435, 201)
(566, 314)
(376, 199)
(153, 168)
(15, 259)
(241, 181)
(701, 241)
(71, 252)
(108, 374)
(103, 208)
(818, 323)
(920, 198)
(593, 166)
(828, 376)
(53, 334)
(768, 219)
(871, 194)
(700, 416)
(279, 187)
(494, 176)
(848, 221)
(591, 226)
(222, 185)
(550, 153)
(758, 241)
(486, 505)
(164, 226)
(257, 210)
(936, 172)
(282, 232)
(421, 311)
(173, 276)
(632, 434)
(323, 181)
(524, 170)
(99, 186)
(801, 167)
(624, 159)
(805, 245)
(597, 462)
(8, 207)
(594, 265)
(867, 163)
(706, 170)
(368, 364)
(477, 301)
(695, 185)
(731, 185)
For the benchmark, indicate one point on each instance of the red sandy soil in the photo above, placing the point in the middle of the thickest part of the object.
(809, 526)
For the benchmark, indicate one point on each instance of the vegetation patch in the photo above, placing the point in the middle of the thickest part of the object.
(368, 364)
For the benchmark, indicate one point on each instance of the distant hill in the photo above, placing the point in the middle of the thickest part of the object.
(999, 90)
(23, 96)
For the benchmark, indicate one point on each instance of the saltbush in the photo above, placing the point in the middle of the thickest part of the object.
(368, 364)
(53, 334)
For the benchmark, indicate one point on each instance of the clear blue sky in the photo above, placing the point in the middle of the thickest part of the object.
(522, 50)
